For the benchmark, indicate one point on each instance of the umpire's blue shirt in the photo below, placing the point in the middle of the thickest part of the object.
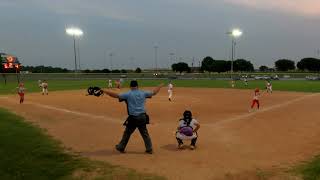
(135, 100)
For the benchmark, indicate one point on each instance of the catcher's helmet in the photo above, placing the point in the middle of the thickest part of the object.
(187, 114)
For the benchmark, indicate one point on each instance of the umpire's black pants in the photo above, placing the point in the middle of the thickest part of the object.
(134, 122)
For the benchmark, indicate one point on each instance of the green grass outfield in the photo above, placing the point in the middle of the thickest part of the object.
(27, 153)
(56, 85)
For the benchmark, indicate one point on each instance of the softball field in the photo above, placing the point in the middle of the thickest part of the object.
(233, 143)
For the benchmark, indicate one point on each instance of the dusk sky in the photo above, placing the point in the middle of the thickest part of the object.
(34, 30)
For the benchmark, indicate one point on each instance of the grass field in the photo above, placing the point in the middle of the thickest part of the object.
(309, 170)
(27, 153)
(56, 85)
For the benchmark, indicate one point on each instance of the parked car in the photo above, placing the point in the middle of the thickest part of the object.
(264, 77)
(312, 78)
(286, 76)
(236, 78)
(275, 77)
(258, 77)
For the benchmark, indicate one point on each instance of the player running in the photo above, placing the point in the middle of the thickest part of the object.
(170, 90)
(21, 89)
(256, 98)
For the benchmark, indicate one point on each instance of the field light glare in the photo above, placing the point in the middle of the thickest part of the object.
(236, 32)
(74, 31)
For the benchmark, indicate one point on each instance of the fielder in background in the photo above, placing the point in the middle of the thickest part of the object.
(117, 82)
(256, 98)
(39, 83)
(245, 79)
(233, 83)
(269, 87)
(44, 86)
(170, 90)
(21, 90)
(137, 116)
(187, 130)
(110, 84)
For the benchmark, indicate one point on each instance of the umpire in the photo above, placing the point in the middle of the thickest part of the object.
(137, 117)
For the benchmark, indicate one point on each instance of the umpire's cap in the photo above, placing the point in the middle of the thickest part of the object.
(134, 83)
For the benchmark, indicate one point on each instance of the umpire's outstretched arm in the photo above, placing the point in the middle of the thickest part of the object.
(157, 89)
(116, 95)
(111, 94)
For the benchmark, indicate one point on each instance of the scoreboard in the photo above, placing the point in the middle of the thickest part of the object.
(10, 63)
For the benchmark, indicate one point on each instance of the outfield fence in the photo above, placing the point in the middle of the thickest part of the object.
(9, 77)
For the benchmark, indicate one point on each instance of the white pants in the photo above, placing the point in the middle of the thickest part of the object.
(170, 94)
(44, 90)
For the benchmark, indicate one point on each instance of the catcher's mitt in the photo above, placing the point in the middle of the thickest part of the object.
(95, 91)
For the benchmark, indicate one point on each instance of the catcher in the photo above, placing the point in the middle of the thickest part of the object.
(187, 130)
(94, 91)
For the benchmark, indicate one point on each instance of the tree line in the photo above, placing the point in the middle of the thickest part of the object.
(209, 64)
(50, 69)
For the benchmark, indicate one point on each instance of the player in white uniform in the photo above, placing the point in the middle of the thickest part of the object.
(233, 83)
(245, 81)
(110, 83)
(39, 83)
(269, 87)
(170, 91)
(44, 86)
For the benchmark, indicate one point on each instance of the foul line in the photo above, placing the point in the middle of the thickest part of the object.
(219, 123)
(69, 111)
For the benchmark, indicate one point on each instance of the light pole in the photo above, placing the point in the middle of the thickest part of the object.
(132, 62)
(156, 57)
(111, 54)
(74, 32)
(171, 58)
(235, 33)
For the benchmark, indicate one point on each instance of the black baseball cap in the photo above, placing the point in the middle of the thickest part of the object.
(134, 83)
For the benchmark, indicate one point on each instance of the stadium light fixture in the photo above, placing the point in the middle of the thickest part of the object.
(74, 32)
(234, 33)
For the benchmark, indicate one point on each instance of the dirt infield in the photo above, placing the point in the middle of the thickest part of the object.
(233, 143)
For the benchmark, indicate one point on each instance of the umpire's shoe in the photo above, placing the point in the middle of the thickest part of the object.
(119, 149)
(149, 151)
